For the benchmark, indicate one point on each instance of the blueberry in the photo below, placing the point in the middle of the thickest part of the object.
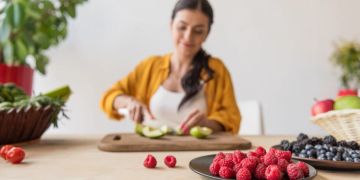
(311, 153)
(345, 155)
(325, 146)
(318, 146)
(355, 155)
(336, 158)
(303, 151)
(285, 145)
(322, 151)
(342, 143)
(302, 136)
(314, 141)
(309, 146)
(340, 149)
(353, 145)
(296, 148)
(333, 149)
(349, 159)
(329, 155)
(303, 155)
(330, 140)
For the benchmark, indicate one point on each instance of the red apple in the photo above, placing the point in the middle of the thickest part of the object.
(347, 92)
(322, 106)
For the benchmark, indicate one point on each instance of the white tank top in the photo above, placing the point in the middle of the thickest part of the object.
(164, 107)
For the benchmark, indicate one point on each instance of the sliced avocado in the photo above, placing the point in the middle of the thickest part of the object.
(200, 132)
(152, 133)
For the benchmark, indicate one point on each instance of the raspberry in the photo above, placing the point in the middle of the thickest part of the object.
(170, 161)
(237, 167)
(262, 159)
(273, 172)
(219, 156)
(249, 164)
(260, 151)
(226, 162)
(283, 155)
(229, 156)
(252, 154)
(255, 159)
(260, 171)
(150, 161)
(226, 172)
(270, 159)
(238, 156)
(282, 163)
(4, 150)
(243, 174)
(272, 151)
(214, 168)
(303, 167)
(294, 172)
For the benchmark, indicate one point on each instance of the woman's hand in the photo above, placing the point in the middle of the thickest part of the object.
(198, 118)
(137, 110)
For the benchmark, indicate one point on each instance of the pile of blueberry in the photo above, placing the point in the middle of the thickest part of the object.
(327, 148)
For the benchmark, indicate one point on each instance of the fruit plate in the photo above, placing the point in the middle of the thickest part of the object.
(326, 164)
(200, 165)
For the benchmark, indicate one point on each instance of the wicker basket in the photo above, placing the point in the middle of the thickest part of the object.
(342, 124)
(19, 125)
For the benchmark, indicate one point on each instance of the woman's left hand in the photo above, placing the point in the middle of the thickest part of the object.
(198, 118)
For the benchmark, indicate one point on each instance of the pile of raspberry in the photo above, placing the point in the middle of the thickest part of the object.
(259, 164)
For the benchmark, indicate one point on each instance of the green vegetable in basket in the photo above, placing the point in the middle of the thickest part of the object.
(6, 105)
(13, 97)
(10, 93)
(61, 93)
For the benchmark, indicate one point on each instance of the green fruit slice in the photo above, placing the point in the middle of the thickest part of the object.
(200, 132)
(166, 129)
(179, 132)
(152, 133)
(139, 128)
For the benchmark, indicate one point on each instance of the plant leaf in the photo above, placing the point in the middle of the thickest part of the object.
(40, 62)
(20, 50)
(16, 14)
(4, 31)
(8, 53)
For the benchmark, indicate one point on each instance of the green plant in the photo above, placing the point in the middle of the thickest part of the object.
(347, 57)
(29, 27)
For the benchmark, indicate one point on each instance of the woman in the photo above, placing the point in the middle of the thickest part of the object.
(181, 89)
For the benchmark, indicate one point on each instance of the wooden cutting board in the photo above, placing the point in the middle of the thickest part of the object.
(131, 142)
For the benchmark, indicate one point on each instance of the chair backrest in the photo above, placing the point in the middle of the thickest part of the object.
(251, 118)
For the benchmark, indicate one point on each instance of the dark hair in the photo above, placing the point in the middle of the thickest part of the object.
(191, 80)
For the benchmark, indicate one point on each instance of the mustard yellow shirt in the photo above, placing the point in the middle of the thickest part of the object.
(145, 79)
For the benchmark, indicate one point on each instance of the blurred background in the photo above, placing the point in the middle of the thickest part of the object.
(276, 51)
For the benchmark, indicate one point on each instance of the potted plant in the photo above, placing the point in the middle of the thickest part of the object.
(347, 57)
(27, 29)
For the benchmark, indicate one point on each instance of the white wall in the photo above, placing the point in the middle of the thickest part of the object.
(277, 52)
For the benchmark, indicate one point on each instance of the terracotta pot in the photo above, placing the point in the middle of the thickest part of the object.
(22, 76)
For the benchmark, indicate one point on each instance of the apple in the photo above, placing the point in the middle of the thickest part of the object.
(200, 132)
(347, 92)
(322, 107)
(347, 102)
